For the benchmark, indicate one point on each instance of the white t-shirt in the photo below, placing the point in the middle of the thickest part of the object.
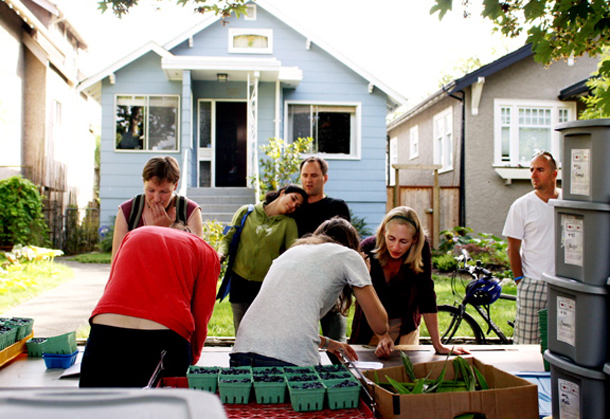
(302, 285)
(532, 221)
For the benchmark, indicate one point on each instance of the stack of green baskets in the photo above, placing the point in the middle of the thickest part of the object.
(544, 339)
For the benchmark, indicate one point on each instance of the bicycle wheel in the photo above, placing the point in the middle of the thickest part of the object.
(455, 328)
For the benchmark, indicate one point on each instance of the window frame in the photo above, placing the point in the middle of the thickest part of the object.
(268, 33)
(355, 148)
(514, 104)
(146, 124)
(437, 157)
(414, 142)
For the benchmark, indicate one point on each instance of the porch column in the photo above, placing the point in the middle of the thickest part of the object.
(253, 129)
(186, 133)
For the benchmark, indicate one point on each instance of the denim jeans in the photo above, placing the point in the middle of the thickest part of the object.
(249, 359)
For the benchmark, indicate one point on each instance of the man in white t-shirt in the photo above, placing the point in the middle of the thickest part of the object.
(530, 230)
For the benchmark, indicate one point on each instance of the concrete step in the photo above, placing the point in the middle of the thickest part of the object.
(221, 203)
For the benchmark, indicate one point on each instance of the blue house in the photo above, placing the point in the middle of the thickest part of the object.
(213, 95)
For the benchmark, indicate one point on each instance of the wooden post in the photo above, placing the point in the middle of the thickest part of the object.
(436, 194)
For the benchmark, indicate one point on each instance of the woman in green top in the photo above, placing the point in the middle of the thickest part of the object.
(267, 232)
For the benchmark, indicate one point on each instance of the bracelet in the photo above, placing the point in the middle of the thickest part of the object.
(519, 278)
(326, 343)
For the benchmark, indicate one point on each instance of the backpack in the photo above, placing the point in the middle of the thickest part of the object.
(137, 207)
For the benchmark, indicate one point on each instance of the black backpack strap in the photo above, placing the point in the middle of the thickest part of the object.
(137, 206)
(181, 209)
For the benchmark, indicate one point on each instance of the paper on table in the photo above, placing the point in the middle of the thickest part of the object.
(368, 365)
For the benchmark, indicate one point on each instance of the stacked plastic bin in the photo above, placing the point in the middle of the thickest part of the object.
(578, 313)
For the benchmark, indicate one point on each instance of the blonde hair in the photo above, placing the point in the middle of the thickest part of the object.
(406, 216)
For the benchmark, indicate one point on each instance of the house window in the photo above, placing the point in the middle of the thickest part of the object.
(334, 128)
(443, 139)
(57, 114)
(250, 41)
(250, 12)
(413, 143)
(523, 128)
(147, 123)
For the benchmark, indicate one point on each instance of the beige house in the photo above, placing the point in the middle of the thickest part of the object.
(47, 132)
(482, 130)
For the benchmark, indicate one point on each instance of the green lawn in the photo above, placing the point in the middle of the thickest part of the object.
(221, 323)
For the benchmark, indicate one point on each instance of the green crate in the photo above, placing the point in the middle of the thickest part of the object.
(342, 397)
(267, 370)
(234, 392)
(299, 370)
(306, 399)
(7, 337)
(62, 344)
(270, 392)
(24, 326)
(35, 347)
(203, 378)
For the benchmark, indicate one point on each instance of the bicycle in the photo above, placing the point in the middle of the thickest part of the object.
(481, 290)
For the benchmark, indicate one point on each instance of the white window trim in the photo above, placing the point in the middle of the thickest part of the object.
(554, 105)
(251, 12)
(414, 142)
(233, 32)
(358, 137)
(441, 115)
(178, 125)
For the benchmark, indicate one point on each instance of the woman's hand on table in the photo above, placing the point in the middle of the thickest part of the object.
(335, 348)
(454, 350)
(384, 347)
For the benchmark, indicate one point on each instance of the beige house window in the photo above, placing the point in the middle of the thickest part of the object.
(250, 41)
(414, 142)
(443, 139)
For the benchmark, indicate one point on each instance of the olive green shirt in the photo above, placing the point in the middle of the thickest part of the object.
(262, 239)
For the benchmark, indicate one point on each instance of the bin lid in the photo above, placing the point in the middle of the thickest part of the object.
(560, 362)
(580, 205)
(573, 285)
(581, 123)
(110, 403)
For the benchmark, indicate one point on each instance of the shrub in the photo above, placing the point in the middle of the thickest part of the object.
(106, 233)
(21, 219)
(360, 225)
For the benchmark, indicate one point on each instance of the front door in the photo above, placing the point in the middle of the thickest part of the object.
(222, 153)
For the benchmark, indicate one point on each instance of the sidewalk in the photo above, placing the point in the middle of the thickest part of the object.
(67, 307)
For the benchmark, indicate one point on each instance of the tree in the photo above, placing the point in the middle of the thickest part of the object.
(220, 7)
(557, 29)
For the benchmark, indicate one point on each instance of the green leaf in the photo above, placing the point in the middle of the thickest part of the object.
(481, 379)
(400, 389)
(442, 7)
(408, 365)
(419, 386)
(534, 9)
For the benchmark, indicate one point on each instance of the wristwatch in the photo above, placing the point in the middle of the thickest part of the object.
(326, 343)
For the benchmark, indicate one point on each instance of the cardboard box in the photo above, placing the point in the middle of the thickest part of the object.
(509, 397)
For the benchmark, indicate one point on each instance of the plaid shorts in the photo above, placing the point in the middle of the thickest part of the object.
(531, 298)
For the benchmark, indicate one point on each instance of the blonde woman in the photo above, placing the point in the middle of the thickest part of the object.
(401, 273)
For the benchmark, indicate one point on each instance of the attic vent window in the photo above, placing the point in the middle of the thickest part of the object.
(251, 12)
(250, 41)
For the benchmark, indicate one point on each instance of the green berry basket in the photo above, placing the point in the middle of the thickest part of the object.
(231, 372)
(299, 370)
(8, 333)
(235, 390)
(35, 347)
(306, 399)
(203, 378)
(62, 344)
(24, 326)
(269, 388)
(311, 376)
(342, 393)
(267, 370)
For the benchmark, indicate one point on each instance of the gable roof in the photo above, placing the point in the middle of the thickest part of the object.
(210, 19)
(454, 86)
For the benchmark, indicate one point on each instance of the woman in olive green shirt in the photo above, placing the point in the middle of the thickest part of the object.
(267, 232)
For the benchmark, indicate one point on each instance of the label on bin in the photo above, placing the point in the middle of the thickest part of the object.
(573, 243)
(569, 399)
(580, 173)
(566, 324)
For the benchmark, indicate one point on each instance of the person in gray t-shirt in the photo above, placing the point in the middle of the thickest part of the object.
(303, 284)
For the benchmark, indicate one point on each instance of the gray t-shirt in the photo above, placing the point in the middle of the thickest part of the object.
(302, 285)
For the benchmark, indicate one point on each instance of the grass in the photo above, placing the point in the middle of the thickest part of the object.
(221, 323)
(19, 283)
(95, 257)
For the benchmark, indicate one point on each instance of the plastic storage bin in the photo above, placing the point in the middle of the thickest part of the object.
(577, 324)
(586, 153)
(581, 252)
(203, 378)
(59, 360)
(578, 392)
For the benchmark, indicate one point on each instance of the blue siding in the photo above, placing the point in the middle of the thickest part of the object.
(360, 182)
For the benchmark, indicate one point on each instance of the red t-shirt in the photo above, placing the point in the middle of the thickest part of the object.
(166, 276)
